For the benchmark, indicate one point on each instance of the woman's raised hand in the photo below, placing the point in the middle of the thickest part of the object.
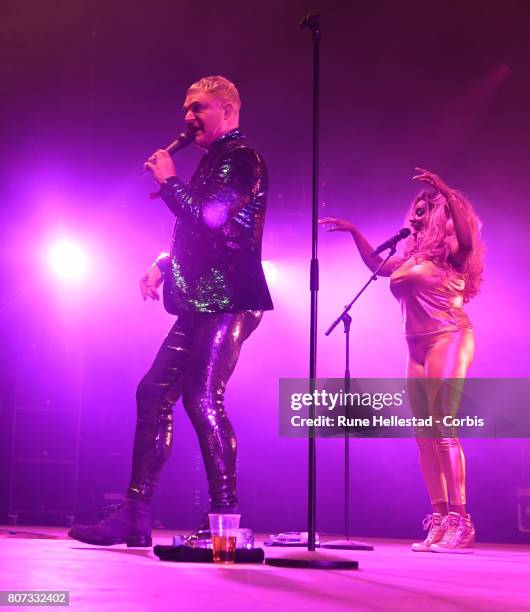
(425, 176)
(336, 225)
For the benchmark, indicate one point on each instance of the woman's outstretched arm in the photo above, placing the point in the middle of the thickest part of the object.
(364, 247)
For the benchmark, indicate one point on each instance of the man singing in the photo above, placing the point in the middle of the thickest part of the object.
(214, 284)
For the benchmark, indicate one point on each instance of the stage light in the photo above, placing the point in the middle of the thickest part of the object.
(68, 260)
(271, 272)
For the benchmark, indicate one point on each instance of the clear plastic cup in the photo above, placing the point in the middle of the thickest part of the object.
(224, 528)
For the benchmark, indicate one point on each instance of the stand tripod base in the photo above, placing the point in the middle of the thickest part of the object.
(312, 559)
(313, 564)
(289, 544)
(347, 545)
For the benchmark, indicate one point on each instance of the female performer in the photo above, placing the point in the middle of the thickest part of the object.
(439, 270)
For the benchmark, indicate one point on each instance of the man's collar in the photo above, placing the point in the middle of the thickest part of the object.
(235, 133)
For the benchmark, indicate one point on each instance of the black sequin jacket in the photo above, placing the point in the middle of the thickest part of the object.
(215, 259)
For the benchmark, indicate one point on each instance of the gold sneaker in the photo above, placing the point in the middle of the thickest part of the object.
(432, 523)
(458, 535)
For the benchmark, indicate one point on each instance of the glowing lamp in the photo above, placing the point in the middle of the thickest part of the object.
(271, 271)
(68, 261)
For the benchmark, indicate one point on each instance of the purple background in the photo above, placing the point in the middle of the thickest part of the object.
(91, 89)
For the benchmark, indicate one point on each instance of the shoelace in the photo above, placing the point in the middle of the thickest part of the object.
(465, 525)
(107, 511)
(450, 525)
(428, 522)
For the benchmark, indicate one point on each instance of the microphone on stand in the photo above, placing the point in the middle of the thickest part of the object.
(391, 242)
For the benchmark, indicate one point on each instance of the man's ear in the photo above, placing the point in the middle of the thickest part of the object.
(228, 110)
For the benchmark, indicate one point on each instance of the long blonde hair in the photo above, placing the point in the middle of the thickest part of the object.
(435, 242)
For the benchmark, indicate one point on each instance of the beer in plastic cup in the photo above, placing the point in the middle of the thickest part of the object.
(224, 529)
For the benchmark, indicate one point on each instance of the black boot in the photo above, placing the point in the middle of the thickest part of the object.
(128, 523)
(201, 537)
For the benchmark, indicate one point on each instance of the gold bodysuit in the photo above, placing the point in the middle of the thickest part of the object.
(441, 345)
(431, 298)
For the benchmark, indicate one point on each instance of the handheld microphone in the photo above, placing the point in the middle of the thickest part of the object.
(181, 141)
(391, 242)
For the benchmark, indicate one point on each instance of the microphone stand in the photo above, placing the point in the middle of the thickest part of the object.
(312, 22)
(348, 544)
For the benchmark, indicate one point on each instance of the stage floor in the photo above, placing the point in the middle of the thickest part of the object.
(392, 577)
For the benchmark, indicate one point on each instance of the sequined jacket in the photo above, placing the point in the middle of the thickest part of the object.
(215, 259)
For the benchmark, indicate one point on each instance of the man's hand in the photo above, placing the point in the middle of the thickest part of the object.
(161, 165)
(150, 282)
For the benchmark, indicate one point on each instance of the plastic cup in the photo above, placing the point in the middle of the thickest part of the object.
(224, 529)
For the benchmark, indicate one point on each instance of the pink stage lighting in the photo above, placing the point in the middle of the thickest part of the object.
(68, 261)
(271, 271)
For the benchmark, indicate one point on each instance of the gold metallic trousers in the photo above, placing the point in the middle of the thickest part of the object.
(194, 362)
(438, 357)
